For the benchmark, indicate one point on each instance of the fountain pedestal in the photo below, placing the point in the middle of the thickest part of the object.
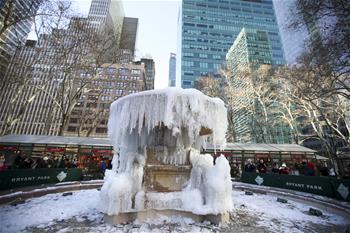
(151, 214)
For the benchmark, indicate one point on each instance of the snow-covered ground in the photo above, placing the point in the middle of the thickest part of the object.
(79, 213)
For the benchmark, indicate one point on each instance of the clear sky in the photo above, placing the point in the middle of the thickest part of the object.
(157, 30)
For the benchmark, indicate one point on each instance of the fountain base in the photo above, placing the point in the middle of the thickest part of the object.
(152, 214)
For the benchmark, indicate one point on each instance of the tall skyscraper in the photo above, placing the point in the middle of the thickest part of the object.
(293, 40)
(209, 27)
(107, 15)
(251, 51)
(150, 72)
(251, 47)
(15, 24)
(172, 70)
(129, 34)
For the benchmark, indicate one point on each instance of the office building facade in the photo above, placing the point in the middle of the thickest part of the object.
(293, 40)
(150, 69)
(129, 34)
(39, 72)
(18, 15)
(90, 115)
(209, 27)
(251, 51)
(172, 70)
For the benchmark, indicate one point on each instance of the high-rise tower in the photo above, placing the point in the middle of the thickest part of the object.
(172, 70)
(15, 24)
(209, 27)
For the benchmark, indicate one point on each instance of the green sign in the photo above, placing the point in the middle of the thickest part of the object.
(324, 186)
(28, 177)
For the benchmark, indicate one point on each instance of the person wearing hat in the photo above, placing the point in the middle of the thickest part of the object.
(284, 170)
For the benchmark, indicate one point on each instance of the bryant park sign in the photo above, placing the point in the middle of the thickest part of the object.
(324, 186)
(28, 177)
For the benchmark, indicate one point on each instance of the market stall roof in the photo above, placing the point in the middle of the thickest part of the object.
(260, 147)
(319, 157)
(56, 140)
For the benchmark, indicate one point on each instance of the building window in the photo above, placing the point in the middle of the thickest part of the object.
(101, 130)
(203, 65)
(123, 70)
(186, 83)
(72, 129)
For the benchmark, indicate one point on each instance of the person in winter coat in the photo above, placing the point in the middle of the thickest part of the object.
(261, 166)
(310, 169)
(3, 166)
(284, 170)
(275, 168)
(249, 167)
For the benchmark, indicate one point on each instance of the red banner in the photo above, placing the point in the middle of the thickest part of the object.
(109, 152)
(55, 149)
(8, 148)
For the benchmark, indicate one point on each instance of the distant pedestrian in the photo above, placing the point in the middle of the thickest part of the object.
(3, 166)
(324, 171)
(284, 170)
(102, 166)
(310, 169)
(249, 167)
(332, 172)
(275, 168)
(261, 166)
(234, 170)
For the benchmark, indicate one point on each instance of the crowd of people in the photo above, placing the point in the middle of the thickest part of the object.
(48, 161)
(306, 168)
(23, 161)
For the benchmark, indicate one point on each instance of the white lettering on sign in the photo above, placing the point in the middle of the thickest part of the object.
(29, 178)
(43, 177)
(295, 185)
(308, 186)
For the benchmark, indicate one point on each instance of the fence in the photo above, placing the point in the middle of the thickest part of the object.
(28, 177)
(324, 186)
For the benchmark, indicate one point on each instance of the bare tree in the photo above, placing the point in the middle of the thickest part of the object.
(315, 117)
(253, 97)
(328, 47)
(209, 86)
(61, 68)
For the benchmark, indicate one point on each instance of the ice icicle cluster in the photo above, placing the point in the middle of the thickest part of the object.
(213, 182)
(168, 121)
(119, 189)
(209, 190)
(172, 107)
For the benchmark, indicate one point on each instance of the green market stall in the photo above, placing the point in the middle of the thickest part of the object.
(85, 152)
(238, 153)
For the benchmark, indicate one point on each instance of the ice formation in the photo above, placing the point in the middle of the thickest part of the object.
(171, 125)
(175, 108)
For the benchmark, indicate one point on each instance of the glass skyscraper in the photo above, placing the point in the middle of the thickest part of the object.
(209, 28)
(293, 39)
(172, 70)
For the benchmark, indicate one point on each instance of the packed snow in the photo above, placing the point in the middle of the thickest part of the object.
(79, 213)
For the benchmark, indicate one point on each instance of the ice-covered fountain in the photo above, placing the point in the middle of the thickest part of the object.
(157, 166)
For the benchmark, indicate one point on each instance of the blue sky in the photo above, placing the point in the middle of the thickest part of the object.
(156, 31)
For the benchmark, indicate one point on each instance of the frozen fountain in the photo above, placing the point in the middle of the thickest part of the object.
(157, 166)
